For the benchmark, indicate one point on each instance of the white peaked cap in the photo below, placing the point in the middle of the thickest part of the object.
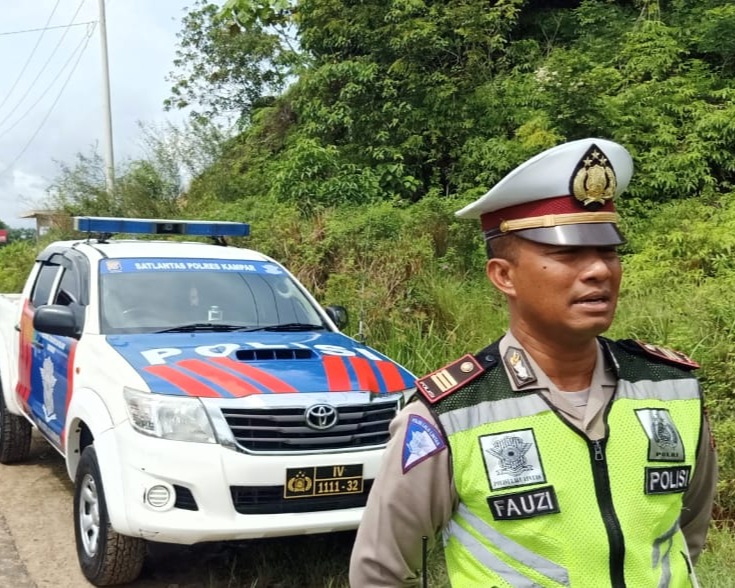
(564, 195)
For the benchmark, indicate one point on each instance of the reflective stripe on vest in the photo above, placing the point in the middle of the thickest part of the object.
(496, 411)
(505, 545)
(665, 558)
(664, 390)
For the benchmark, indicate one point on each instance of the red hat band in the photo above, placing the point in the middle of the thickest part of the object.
(549, 212)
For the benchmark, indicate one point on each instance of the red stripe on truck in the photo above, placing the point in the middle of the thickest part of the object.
(227, 380)
(365, 374)
(185, 382)
(391, 376)
(261, 377)
(338, 378)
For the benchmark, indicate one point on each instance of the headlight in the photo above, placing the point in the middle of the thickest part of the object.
(178, 418)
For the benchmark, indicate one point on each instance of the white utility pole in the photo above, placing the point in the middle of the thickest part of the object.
(109, 158)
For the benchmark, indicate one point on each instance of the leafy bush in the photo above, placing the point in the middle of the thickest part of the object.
(16, 261)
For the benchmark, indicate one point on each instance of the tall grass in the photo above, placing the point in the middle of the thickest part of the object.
(322, 561)
(716, 566)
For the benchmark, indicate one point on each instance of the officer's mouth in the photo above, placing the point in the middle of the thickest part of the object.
(595, 301)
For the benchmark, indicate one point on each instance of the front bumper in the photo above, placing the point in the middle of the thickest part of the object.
(210, 483)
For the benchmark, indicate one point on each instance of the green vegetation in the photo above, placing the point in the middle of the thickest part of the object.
(359, 127)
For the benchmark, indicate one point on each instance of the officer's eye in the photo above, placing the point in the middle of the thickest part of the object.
(608, 252)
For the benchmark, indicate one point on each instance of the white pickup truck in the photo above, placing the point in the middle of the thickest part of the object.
(196, 391)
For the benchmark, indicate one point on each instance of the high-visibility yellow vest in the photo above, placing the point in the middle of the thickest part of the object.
(542, 505)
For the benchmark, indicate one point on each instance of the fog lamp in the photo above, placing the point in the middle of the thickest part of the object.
(158, 496)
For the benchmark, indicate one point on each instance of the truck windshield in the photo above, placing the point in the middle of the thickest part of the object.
(149, 295)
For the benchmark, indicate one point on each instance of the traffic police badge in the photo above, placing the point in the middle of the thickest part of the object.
(512, 459)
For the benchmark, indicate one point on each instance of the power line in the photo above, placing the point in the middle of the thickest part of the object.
(33, 52)
(83, 41)
(38, 75)
(76, 24)
(50, 110)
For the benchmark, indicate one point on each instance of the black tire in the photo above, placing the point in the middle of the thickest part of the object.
(15, 435)
(105, 556)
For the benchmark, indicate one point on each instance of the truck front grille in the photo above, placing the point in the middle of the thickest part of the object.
(285, 430)
(270, 500)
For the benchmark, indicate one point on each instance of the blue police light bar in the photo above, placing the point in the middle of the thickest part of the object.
(151, 226)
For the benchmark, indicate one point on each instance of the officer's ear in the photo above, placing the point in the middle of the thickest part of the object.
(500, 273)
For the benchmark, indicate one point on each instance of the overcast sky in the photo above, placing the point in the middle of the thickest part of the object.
(51, 106)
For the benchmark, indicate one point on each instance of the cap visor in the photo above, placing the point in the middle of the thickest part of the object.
(579, 235)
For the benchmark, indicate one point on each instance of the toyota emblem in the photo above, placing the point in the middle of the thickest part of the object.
(321, 416)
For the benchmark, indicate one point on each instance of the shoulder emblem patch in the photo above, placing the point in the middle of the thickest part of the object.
(669, 355)
(443, 382)
(422, 440)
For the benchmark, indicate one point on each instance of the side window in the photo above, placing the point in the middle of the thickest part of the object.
(68, 291)
(44, 283)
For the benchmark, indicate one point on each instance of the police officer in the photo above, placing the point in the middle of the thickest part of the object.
(554, 457)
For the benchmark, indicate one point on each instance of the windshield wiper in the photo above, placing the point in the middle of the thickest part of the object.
(216, 327)
(294, 327)
(220, 327)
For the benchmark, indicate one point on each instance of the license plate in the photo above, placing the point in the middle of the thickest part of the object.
(323, 481)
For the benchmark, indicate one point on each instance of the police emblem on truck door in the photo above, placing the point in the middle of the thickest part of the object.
(664, 441)
(512, 459)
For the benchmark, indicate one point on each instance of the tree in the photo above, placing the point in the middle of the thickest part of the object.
(412, 97)
(151, 186)
(228, 63)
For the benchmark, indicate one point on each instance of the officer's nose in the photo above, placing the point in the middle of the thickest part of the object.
(600, 264)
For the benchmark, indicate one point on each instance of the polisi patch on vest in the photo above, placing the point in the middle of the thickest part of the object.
(443, 382)
(512, 459)
(664, 440)
(667, 480)
(524, 505)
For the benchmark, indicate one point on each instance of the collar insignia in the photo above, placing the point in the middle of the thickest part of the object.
(519, 367)
(593, 181)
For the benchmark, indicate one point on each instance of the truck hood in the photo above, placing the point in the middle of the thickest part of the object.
(228, 365)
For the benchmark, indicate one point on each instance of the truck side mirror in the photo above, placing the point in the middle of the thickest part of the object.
(338, 314)
(56, 319)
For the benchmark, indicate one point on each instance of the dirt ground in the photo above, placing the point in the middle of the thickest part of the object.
(37, 534)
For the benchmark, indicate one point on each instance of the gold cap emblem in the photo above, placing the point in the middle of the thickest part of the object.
(593, 181)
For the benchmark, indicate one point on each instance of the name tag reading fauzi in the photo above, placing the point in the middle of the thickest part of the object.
(667, 480)
(524, 505)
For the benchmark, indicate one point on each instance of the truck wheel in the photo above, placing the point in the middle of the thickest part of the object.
(105, 556)
(15, 435)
